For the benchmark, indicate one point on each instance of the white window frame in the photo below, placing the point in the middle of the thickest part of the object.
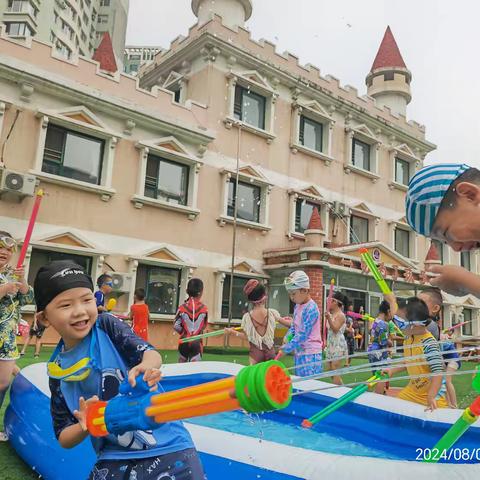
(185, 274)
(265, 187)
(221, 275)
(473, 260)
(151, 147)
(413, 240)
(475, 320)
(293, 197)
(176, 82)
(373, 222)
(402, 152)
(263, 89)
(97, 257)
(363, 134)
(105, 189)
(315, 112)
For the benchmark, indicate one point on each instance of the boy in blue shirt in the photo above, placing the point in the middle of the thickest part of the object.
(105, 286)
(65, 301)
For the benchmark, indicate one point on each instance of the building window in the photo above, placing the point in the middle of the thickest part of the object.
(176, 95)
(303, 213)
(67, 30)
(85, 18)
(162, 288)
(311, 134)
(467, 317)
(239, 304)
(73, 155)
(402, 242)
(105, 3)
(402, 171)
(361, 154)
(84, 36)
(249, 107)
(19, 30)
(359, 228)
(249, 201)
(466, 260)
(63, 50)
(102, 19)
(22, 6)
(167, 180)
(40, 258)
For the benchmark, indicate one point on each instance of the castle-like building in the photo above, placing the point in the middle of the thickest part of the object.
(142, 173)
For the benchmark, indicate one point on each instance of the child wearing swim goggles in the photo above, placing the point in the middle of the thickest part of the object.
(14, 294)
(423, 388)
(95, 355)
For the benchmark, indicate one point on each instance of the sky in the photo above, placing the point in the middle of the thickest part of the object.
(437, 39)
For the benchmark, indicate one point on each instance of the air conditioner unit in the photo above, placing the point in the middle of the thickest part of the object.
(122, 282)
(340, 209)
(17, 183)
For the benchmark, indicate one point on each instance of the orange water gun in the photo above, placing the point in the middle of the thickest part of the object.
(258, 388)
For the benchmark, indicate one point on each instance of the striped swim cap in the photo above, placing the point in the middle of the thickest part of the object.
(425, 194)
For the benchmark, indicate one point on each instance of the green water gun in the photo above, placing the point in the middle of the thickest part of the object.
(469, 416)
(382, 284)
(340, 402)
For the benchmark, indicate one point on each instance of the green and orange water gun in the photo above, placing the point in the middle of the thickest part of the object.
(258, 388)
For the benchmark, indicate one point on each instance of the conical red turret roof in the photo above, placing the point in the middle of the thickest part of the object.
(388, 54)
(315, 220)
(104, 54)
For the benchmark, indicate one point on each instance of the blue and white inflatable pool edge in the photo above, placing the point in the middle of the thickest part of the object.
(225, 453)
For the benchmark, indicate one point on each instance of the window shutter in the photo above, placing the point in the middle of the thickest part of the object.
(237, 105)
(301, 135)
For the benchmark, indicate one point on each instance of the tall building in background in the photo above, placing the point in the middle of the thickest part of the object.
(136, 56)
(74, 27)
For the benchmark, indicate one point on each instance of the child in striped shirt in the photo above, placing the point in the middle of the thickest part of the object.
(423, 358)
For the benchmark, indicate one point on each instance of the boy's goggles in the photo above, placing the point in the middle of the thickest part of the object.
(77, 372)
(8, 243)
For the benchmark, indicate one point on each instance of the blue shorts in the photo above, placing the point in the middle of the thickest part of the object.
(183, 465)
(308, 364)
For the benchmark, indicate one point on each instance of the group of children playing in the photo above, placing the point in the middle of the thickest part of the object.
(442, 202)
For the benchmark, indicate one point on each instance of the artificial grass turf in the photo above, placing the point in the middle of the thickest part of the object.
(13, 468)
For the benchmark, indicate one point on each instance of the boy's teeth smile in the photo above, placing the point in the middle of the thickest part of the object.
(80, 324)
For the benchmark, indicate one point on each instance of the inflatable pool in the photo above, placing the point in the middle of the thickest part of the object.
(373, 437)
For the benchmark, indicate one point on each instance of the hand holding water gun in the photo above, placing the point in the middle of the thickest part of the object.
(263, 387)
